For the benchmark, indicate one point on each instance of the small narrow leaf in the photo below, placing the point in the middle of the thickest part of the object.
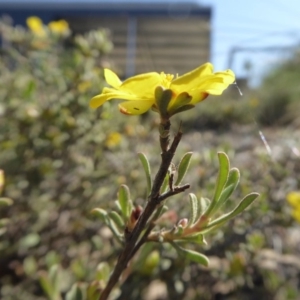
(247, 200)
(94, 290)
(221, 181)
(164, 186)
(54, 276)
(178, 231)
(103, 271)
(183, 167)
(197, 257)
(233, 177)
(147, 169)
(229, 188)
(203, 205)
(116, 218)
(197, 238)
(226, 193)
(124, 200)
(223, 174)
(192, 255)
(163, 98)
(75, 293)
(100, 214)
(115, 230)
(181, 100)
(46, 284)
(181, 109)
(193, 209)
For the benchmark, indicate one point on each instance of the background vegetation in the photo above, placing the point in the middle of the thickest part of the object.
(61, 160)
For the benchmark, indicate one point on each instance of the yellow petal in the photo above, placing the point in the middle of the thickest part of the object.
(142, 85)
(216, 84)
(112, 78)
(135, 107)
(296, 214)
(227, 76)
(109, 94)
(293, 198)
(198, 96)
(60, 26)
(214, 88)
(35, 24)
(191, 79)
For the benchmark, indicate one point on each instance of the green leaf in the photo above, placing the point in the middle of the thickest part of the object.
(182, 100)
(226, 193)
(181, 109)
(165, 185)
(46, 284)
(5, 201)
(30, 240)
(203, 205)
(113, 227)
(230, 186)
(233, 177)
(30, 265)
(247, 200)
(116, 218)
(145, 163)
(125, 202)
(75, 293)
(4, 222)
(194, 209)
(93, 290)
(192, 255)
(163, 98)
(103, 271)
(100, 214)
(197, 238)
(183, 167)
(221, 181)
(54, 276)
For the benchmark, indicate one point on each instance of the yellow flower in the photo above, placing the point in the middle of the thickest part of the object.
(293, 198)
(59, 27)
(35, 24)
(296, 214)
(113, 140)
(156, 90)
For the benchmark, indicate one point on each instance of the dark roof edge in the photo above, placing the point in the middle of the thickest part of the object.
(134, 7)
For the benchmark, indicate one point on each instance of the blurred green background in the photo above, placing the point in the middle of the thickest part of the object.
(61, 160)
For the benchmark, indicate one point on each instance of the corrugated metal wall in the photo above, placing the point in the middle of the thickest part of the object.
(149, 43)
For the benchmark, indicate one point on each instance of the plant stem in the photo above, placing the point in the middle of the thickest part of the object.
(153, 201)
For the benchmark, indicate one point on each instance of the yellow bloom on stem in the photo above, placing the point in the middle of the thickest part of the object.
(35, 24)
(162, 92)
(59, 27)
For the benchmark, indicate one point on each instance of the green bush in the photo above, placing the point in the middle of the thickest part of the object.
(61, 160)
(279, 93)
(55, 152)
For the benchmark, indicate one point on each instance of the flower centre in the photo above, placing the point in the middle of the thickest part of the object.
(166, 79)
